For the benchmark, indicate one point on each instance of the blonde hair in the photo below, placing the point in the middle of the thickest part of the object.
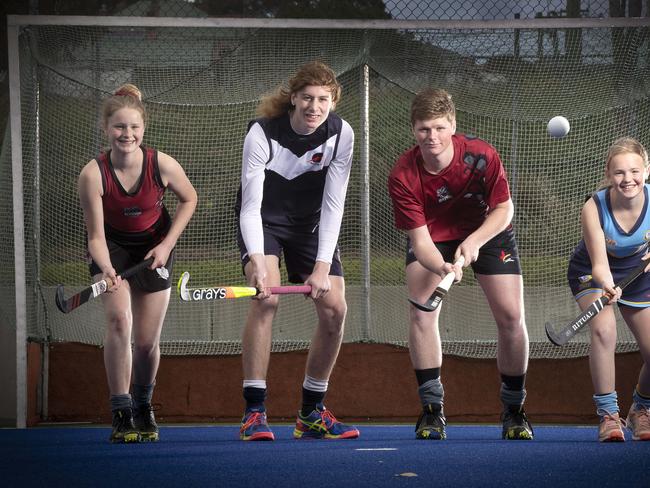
(126, 96)
(432, 103)
(623, 145)
(313, 73)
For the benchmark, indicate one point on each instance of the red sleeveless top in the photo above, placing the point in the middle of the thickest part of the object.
(137, 211)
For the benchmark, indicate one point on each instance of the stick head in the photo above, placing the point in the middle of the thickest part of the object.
(425, 307)
(553, 336)
(182, 287)
(59, 298)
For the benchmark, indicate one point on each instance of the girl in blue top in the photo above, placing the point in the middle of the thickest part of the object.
(616, 232)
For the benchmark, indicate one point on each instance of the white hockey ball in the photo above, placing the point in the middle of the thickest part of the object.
(558, 127)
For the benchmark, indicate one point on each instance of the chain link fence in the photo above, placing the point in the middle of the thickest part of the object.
(336, 9)
(379, 9)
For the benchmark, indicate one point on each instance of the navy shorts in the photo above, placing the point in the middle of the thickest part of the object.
(636, 294)
(123, 257)
(299, 246)
(499, 255)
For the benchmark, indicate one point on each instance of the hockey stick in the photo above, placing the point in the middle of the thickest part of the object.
(96, 289)
(572, 328)
(227, 292)
(439, 293)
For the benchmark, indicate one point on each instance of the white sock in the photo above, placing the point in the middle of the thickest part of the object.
(255, 384)
(315, 385)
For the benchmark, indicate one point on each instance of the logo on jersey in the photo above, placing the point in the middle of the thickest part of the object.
(443, 194)
(474, 160)
(132, 211)
(316, 158)
(506, 258)
(609, 242)
(646, 236)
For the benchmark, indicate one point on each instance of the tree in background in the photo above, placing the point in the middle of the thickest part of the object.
(322, 9)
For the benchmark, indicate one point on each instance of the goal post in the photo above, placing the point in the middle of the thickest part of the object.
(202, 79)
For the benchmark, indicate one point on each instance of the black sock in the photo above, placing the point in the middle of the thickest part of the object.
(142, 395)
(424, 375)
(310, 399)
(515, 383)
(254, 397)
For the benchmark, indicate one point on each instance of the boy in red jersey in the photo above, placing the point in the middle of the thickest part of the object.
(451, 197)
(121, 193)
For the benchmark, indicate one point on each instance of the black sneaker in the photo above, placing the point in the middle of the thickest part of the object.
(145, 423)
(123, 428)
(431, 424)
(515, 423)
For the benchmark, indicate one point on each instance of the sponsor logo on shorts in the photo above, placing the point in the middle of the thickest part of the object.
(584, 278)
(506, 258)
(584, 282)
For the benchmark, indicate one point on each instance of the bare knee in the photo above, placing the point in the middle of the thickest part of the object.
(145, 348)
(421, 321)
(511, 324)
(605, 336)
(118, 323)
(265, 308)
(332, 318)
(262, 312)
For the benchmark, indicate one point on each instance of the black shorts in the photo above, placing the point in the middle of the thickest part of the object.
(123, 257)
(499, 255)
(299, 247)
(636, 294)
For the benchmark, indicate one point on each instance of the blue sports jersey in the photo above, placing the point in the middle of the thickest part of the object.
(624, 252)
(619, 243)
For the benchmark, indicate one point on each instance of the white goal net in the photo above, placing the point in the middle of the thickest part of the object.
(201, 81)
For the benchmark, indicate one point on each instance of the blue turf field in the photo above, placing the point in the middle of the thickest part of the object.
(384, 456)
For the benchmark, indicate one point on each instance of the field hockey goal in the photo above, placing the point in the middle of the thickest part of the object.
(202, 79)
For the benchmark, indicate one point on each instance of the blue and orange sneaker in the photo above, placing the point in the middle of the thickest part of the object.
(320, 423)
(254, 427)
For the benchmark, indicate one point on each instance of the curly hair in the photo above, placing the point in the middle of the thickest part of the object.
(313, 73)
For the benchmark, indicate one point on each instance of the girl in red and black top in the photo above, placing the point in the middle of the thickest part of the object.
(121, 193)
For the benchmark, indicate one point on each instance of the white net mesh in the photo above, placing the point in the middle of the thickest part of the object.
(201, 87)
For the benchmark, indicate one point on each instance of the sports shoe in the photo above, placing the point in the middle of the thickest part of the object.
(123, 428)
(145, 422)
(320, 423)
(431, 424)
(638, 421)
(610, 428)
(515, 424)
(254, 427)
